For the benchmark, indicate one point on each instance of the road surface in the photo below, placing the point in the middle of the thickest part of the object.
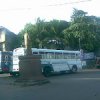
(80, 86)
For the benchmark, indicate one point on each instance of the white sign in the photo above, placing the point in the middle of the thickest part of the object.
(89, 55)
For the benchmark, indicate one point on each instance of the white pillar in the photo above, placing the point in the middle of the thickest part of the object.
(3, 39)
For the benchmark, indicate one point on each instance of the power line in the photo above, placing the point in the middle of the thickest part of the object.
(21, 9)
(15, 9)
(70, 3)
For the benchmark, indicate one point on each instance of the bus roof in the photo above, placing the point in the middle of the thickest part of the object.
(47, 50)
(53, 50)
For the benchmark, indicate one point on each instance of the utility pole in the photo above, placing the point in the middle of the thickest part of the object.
(79, 43)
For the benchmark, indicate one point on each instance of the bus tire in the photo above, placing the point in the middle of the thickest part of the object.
(74, 69)
(47, 71)
(14, 74)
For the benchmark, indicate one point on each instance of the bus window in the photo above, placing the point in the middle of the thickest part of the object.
(58, 55)
(72, 55)
(49, 55)
(66, 56)
(69, 55)
(35, 53)
(77, 56)
(42, 54)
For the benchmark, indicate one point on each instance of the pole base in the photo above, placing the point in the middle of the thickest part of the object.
(30, 71)
(26, 83)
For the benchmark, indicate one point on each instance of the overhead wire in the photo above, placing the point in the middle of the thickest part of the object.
(61, 4)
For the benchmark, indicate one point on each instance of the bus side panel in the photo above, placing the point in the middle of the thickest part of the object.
(15, 63)
(58, 65)
(6, 61)
(0, 63)
(15, 67)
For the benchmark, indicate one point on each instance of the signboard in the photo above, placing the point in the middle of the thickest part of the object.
(89, 55)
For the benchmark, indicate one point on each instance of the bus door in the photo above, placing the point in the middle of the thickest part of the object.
(6, 61)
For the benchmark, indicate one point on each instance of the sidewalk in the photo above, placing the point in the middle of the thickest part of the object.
(4, 75)
(90, 70)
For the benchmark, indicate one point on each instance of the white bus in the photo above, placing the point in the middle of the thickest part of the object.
(5, 61)
(53, 61)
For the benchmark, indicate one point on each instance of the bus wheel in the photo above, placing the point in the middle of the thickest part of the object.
(47, 71)
(74, 69)
(14, 74)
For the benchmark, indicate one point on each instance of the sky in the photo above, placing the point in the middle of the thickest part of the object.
(15, 14)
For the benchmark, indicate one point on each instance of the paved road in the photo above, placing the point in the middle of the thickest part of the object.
(80, 86)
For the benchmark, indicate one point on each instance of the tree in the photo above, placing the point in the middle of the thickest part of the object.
(82, 32)
(45, 34)
(55, 28)
(77, 15)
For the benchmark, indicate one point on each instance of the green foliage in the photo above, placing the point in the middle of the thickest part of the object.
(83, 32)
(45, 34)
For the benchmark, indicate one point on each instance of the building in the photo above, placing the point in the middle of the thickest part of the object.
(8, 40)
